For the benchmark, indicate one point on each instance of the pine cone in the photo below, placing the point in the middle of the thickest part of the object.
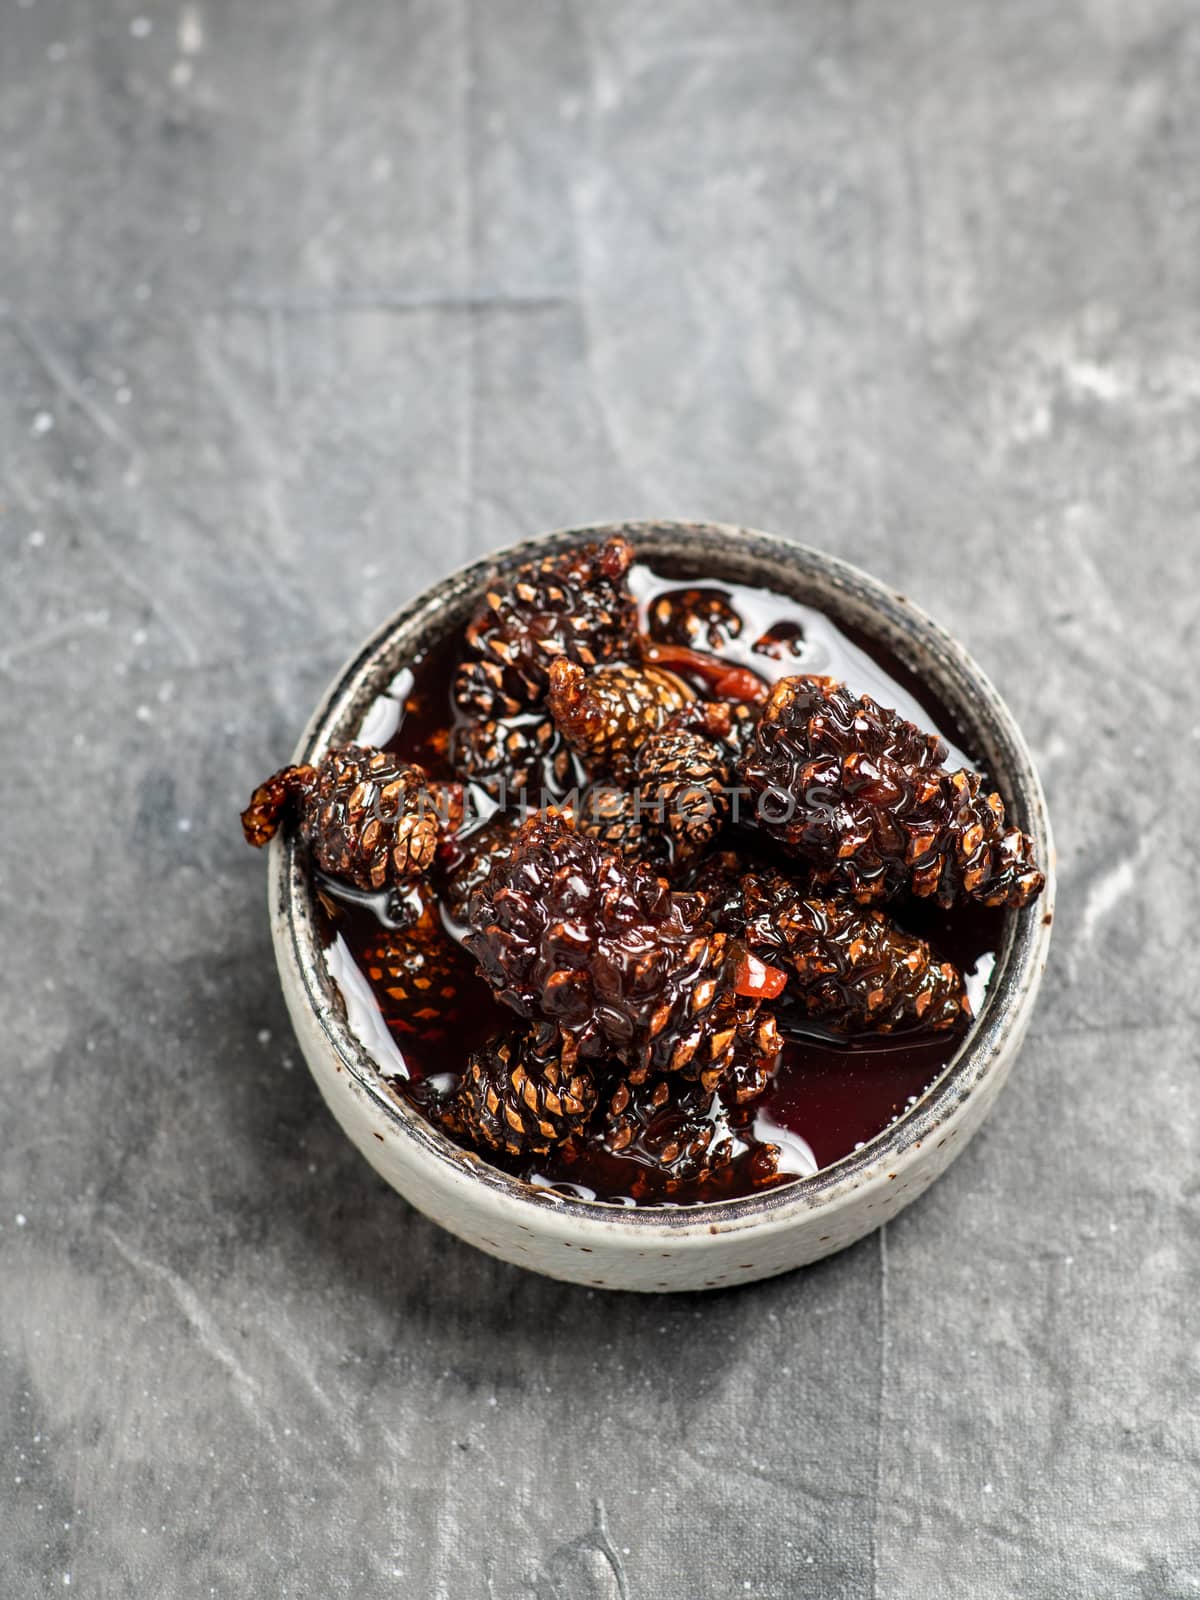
(865, 797)
(683, 788)
(607, 715)
(679, 802)
(851, 969)
(573, 933)
(575, 606)
(717, 884)
(371, 819)
(415, 971)
(488, 692)
(521, 1093)
(784, 642)
(475, 855)
(676, 1129)
(702, 618)
(511, 757)
(613, 818)
(727, 723)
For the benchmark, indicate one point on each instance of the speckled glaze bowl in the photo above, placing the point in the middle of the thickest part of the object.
(734, 1241)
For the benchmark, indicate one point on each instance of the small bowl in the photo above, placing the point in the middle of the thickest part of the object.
(674, 1247)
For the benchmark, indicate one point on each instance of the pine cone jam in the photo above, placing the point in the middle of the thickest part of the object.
(667, 893)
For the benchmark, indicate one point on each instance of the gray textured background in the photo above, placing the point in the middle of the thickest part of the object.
(303, 303)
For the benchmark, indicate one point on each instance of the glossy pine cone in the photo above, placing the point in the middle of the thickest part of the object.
(371, 820)
(416, 971)
(729, 724)
(521, 1094)
(511, 757)
(705, 619)
(613, 817)
(673, 1128)
(677, 803)
(607, 715)
(470, 865)
(850, 967)
(864, 797)
(570, 932)
(683, 789)
(575, 606)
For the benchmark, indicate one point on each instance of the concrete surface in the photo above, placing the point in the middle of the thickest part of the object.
(302, 304)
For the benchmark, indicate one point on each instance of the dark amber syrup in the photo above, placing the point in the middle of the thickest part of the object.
(828, 1096)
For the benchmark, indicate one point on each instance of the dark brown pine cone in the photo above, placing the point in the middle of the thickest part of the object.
(683, 789)
(705, 619)
(676, 1129)
(784, 642)
(508, 758)
(865, 798)
(678, 804)
(608, 714)
(521, 1093)
(415, 971)
(371, 819)
(728, 723)
(575, 606)
(613, 817)
(475, 854)
(568, 931)
(850, 968)
(717, 883)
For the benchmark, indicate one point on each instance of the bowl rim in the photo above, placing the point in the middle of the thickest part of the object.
(1011, 990)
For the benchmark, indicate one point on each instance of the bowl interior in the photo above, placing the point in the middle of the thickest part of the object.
(856, 602)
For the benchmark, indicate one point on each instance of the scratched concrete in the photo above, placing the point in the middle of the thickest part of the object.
(304, 302)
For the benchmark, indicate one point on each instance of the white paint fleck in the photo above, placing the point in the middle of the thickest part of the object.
(21, 1219)
(143, 713)
(264, 1036)
(37, 538)
(184, 824)
(181, 74)
(41, 424)
(140, 27)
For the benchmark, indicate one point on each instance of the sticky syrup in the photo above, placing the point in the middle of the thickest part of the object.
(828, 1095)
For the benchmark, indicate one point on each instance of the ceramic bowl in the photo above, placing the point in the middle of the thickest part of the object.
(732, 1241)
